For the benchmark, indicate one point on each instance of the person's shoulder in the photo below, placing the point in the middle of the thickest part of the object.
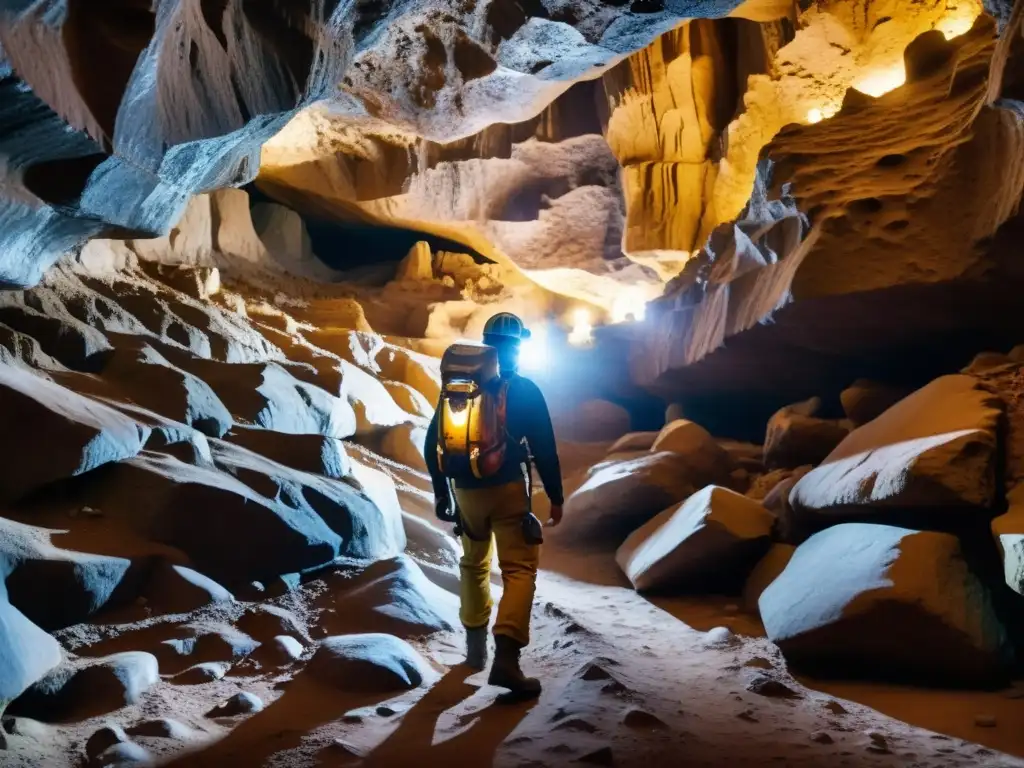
(523, 384)
(522, 387)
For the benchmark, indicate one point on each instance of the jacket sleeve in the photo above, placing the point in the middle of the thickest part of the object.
(540, 435)
(437, 479)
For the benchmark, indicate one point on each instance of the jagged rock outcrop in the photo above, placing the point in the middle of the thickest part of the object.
(934, 450)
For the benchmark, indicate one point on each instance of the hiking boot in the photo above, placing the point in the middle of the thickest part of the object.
(476, 647)
(506, 673)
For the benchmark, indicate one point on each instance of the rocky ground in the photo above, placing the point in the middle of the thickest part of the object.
(218, 546)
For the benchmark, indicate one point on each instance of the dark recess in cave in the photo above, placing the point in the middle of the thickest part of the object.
(345, 246)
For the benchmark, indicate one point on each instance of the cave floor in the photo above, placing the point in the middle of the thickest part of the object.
(627, 683)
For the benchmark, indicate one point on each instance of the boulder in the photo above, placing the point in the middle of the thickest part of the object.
(765, 572)
(370, 663)
(265, 622)
(885, 602)
(709, 542)
(90, 687)
(27, 653)
(317, 454)
(595, 421)
(935, 448)
(764, 485)
(175, 588)
(748, 456)
(49, 433)
(392, 596)
(620, 496)
(708, 461)
(865, 400)
(632, 442)
(150, 381)
(796, 437)
(242, 703)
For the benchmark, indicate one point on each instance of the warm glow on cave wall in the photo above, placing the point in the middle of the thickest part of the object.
(833, 50)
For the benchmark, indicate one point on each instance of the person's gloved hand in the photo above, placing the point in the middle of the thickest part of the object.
(444, 511)
(556, 515)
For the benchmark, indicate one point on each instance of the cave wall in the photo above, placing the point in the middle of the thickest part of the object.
(116, 113)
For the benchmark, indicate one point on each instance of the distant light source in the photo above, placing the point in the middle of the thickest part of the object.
(629, 304)
(533, 352)
(817, 114)
(881, 81)
(582, 328)
(958, 22)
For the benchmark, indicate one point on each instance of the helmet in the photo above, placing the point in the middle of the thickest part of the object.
(506, 326)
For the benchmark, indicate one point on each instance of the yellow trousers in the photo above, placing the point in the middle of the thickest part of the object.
(495, 516)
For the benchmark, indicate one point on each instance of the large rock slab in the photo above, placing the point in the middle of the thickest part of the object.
(885, 602)
(317, 454)
(709, 542)
(271, 396)
(27, 653)
(620, 496)
(795, 436)
(49, 433)
(392, 596)
(935, 448)
(289, 521)
(56, 587)
(149, 380)
(369, 663)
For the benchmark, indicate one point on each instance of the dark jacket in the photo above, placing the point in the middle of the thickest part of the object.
(526, 417)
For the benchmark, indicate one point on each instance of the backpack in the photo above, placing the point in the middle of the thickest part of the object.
(472, 439)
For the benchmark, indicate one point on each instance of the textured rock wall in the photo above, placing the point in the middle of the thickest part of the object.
(166, 101)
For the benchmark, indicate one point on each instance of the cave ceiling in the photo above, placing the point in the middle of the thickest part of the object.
(730, 155)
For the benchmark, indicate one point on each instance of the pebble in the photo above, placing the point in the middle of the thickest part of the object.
(719, 637)
(162, 728)
(122, 754)
(836, 708)
(242, 703)
(638, 718)
(985, 721)
(104, 739)
(878, 742)
(602, 756)
(288, 647)
(763, 685)
(821, 738)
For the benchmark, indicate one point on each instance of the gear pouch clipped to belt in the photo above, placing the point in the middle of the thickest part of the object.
(533, 532)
